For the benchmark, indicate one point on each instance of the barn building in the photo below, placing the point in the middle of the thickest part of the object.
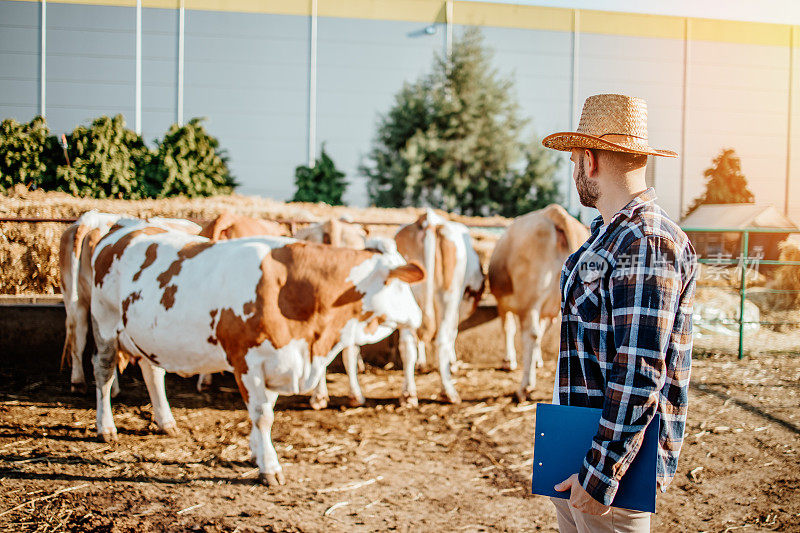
(277, 78)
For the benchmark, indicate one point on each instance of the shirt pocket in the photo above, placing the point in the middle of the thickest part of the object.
(587, 298)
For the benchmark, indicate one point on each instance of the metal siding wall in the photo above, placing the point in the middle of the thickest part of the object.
(540, 63)
(794, 152)
(159, 71)
(19, 60)
(650, 68)
(90, 64)
(738, 98)
(361, 65)
(248, 73)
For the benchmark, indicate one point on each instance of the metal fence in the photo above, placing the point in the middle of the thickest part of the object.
(744, 263)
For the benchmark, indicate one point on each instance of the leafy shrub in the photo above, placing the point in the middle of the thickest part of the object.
(189, 162)
(320, 183)
(25, 153)
(107, 160)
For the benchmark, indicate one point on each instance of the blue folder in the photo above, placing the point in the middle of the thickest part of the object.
(563, 437)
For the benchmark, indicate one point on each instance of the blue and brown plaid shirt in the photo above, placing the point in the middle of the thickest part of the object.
(626, 339)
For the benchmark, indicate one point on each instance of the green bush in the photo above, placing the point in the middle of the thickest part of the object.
(107, 160)
(452, 140)
(320, 183)
(189, 162)
(26, 152)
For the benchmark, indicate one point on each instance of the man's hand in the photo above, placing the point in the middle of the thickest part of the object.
(580, 499)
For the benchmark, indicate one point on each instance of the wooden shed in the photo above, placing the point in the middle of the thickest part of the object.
(737, 216)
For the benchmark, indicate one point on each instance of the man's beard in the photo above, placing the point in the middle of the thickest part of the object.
(588, 191)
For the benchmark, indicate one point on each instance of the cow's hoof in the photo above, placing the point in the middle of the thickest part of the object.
(272, 480)
(108, 436)
(539, 363)
(353, 401)
(408, 400)
(523, 395)
(450, 397)
(318, 402)
(78, 388)
(170, 430)
(508, 366)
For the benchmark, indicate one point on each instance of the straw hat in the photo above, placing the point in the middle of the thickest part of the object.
(609, 122)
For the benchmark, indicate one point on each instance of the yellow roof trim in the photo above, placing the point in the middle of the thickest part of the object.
(513, 16)
(498, 15)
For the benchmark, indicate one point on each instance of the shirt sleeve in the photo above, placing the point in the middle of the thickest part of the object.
(645, 288)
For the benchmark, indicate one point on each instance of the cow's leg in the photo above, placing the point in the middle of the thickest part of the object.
(103, 362)
(320, 397)
(204, 382)
(350, 355)
(408, 353)
(260, 404)
(446, 352)
(115, 384)
(77, 330)
(531, 353)
(154, 380)
(510, 329)
(422, 358)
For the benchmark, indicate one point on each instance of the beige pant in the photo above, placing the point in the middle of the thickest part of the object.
(570, 520)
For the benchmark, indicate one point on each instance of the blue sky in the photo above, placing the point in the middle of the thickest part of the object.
(779, 11)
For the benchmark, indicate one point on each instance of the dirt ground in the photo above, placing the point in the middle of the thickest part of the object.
(378, 467)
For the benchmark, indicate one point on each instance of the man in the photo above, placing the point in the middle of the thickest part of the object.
(627, 305)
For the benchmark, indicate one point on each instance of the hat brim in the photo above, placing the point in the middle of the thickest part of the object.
(568, 140)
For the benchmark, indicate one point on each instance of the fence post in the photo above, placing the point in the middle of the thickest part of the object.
(743, 290)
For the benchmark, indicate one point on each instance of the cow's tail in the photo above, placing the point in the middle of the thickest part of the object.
(70, 248)
(429, 248)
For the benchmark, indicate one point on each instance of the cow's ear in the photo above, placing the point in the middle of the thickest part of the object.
(410, 273)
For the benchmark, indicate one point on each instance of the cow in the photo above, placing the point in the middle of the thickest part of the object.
(452, 289)
(336, 232)
(274, 311)
(524, 273)
(346, 234)
(230, 226)
(333, 231)
(80, 238)
(76, 290)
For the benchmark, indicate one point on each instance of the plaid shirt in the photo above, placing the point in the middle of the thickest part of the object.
(626, 339)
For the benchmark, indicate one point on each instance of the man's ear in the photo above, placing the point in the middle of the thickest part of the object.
(590, 162)
(410, 273)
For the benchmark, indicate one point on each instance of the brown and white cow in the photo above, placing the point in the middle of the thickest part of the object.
(80, 239)
(524, 274)
(76, 289)
(230, 226)
(452, 290)
(272, 310)
(336, 232)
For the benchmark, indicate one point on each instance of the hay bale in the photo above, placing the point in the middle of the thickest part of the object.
(29, 252)
(787, 277)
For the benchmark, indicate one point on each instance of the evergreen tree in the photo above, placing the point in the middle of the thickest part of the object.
(320, 183)
(451, 140)
(725, 183)
(189, 162)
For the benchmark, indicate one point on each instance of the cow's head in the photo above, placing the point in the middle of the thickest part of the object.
(385, 281)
